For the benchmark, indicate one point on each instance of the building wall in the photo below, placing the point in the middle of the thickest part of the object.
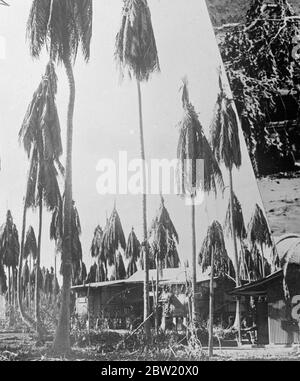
(282, 329)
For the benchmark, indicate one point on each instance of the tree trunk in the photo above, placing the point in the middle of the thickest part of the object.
(237, 322)
(61, 343)
(37, 264)
(26, 318)
(156, 296)
(211, 308)
(263, 261)
(194, 268)
(9, 297)
(145, 232)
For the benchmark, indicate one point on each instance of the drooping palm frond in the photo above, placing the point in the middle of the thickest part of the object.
(133, 247)
(96, 242)
(135, 50)
(214, 243)
(256, 270)
(120, 267)
(225, 131)
(238, 219)
(164, 237)
(172, 258)
(9, 242)
(3, 280)
(101, 272)
(91, 278)
(258, 229)
(60, 26)
(193, 147)
(40, 135)
(131, 268)
(30, 246)
(113, 237)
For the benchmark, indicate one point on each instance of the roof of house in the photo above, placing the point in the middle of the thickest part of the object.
(257, 288)
(167, 276)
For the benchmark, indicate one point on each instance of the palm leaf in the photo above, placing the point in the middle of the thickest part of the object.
(96, 243)
(61, 26)
(135, 49)
(113, 237)
(132, 247)
(258, 229)
(30, 246)
(192, 148)
(9, 242)
(238, 219)
(214, 243)
(225, 131)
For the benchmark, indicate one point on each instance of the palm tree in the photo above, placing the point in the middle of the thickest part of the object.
(193, 147)
(9, 252)
(113, 238)
(240, 231)
(136, 53)
(132, 253)
(40, 136)
(226, 147)
(62, 26)
(164, 236)
(259, 233)
(30, 251)
(213, 254)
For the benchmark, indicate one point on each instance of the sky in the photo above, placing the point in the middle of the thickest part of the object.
(106, 118)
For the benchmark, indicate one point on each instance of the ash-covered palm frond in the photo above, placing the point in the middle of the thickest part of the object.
(40, 135)
(30, 246)
(133, 247)
(113, 238)
(96, 242)
(101, 272)
(164, 236)
(225, 131)
(238, 219)
(131, 268)
(120, 267)
(3, 280)
(172, 258)
(135, 50)
(258, 229)
(9, 242)
(214, 243)
(192, 150)
(61, 26)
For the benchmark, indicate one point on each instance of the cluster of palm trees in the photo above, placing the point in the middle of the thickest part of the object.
(32, 278)
(109, 243)
(61, 27)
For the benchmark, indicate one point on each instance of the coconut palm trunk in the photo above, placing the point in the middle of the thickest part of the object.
(194, 273)
(211, 307)
(236, 257)
(62, 336)
(38, 260)
(144, 211)
(263, 261)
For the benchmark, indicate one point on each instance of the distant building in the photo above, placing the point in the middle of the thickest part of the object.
(120, 303)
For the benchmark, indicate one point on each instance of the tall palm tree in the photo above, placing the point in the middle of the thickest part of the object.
(40, 136)
(9, 252)
(132, 253)
(113, 238)
(62, 26)
(226, 147)
(193, 147)
(164, 234)
(240, 230)
(213, 254)
(30, 251)
(136, 53)
(259, 233)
